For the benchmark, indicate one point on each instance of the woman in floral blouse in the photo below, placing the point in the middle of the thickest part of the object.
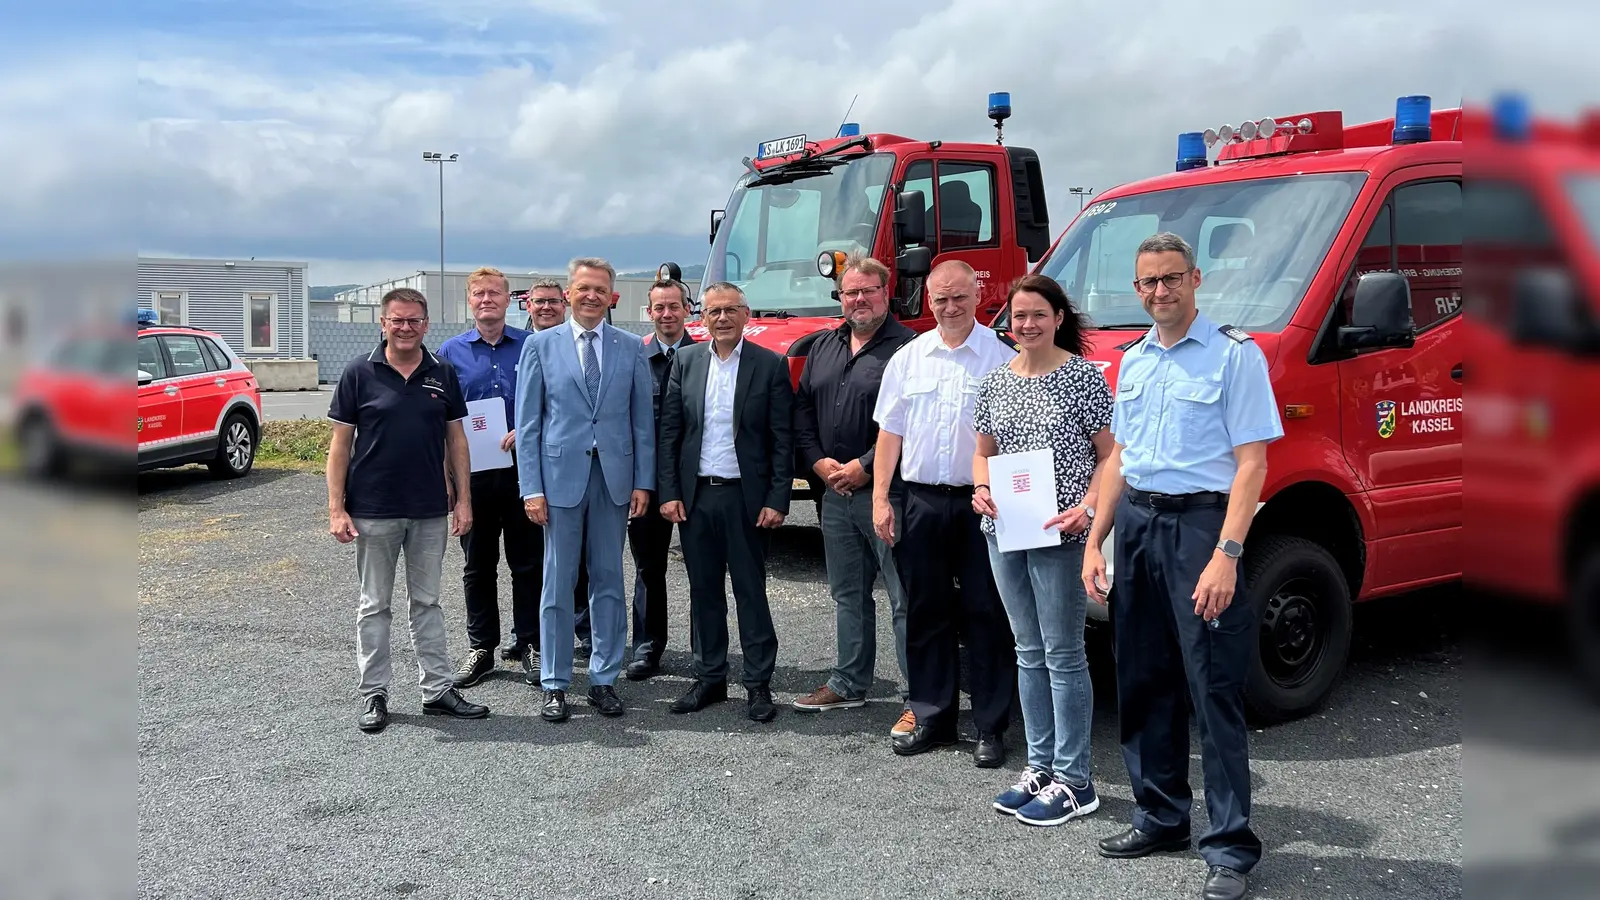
(1048, 398)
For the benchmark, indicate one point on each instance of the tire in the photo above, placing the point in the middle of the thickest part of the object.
(1583, 621)
(1302, 603)
(43, 457)
(236, 448)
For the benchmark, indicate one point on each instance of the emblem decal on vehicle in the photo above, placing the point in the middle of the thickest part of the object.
(1386, 418)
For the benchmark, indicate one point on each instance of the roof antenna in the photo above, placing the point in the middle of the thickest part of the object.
(846, 115)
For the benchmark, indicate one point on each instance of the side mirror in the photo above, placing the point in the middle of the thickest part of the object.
(144, 377)
(910, 218)
(1547, 311)
(716, 222)
(1380, 315)
(914, 262)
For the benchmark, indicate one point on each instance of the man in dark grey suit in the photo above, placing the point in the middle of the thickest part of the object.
(726, 458)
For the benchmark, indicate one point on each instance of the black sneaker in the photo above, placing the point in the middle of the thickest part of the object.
(475, 668)
(530, 664)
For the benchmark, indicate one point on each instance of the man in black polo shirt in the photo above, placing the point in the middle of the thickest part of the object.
(395, 413)
(837, 436)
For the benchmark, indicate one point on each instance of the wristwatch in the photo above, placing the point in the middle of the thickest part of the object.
(1230, 549)
(1088, 513)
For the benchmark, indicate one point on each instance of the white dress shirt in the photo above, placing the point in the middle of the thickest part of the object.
(717, 456)
(927, 396)
(577, 340)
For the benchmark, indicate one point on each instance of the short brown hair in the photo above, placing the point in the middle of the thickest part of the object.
(668, 283)
(542, 283)
(595, 263)
(866, 265)
(405, 295)
(483, 272)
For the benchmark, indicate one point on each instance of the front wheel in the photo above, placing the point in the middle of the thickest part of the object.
(236, 448)
(1302, 600)
(1584, 620)
(42, 454)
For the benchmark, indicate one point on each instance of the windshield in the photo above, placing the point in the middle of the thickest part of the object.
(1585, 191)
(1257, 245)
(771, 234)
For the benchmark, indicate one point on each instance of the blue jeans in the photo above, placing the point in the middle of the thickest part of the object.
(1043, 594)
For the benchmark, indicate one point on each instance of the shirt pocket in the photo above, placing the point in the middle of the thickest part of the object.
(1129, 417)
(1198, 405)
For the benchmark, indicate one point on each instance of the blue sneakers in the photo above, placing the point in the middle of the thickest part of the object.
(1027, 787)
(1059, 802)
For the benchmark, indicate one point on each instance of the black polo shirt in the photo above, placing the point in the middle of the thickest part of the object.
(837, 393)
(397, 463)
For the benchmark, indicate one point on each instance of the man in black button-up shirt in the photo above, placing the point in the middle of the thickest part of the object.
(836, 434)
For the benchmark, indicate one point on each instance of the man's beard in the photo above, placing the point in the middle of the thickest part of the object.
(868, 326)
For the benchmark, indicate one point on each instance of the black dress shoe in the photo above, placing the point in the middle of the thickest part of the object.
(375, 717)
(921, 739)
(990, 752)
(759, 705)
(604, 698)
(699, 696)
(451, 703)
(530, 664)
(554, 708)
(511, 652)
(1133, 843)
(640, 669)
(1224, 883)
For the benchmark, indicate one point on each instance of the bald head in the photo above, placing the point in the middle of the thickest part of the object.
(952, 289)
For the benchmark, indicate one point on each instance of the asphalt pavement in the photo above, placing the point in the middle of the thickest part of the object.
(254, 782)
(277, 405)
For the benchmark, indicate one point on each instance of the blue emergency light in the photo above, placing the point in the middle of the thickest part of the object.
(148, 317)
(1511, 117)
(1000, 105)
(1413, 119)
(1191, 150)
(849, 129)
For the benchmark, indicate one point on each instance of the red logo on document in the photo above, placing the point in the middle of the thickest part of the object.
(480, 423)
(1021, 483)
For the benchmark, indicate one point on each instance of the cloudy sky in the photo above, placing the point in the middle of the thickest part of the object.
(293, 129)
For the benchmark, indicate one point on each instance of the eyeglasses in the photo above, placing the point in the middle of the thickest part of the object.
(399, 322)
(852, 294)
(721, 311)
(1172, 280)
(546, 301)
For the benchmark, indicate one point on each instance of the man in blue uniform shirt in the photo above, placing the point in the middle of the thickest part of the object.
(1194, 414)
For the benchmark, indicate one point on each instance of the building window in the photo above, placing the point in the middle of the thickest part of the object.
(172, 307)
(260, 330)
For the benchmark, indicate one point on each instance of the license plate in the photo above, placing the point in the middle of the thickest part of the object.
(780, 147)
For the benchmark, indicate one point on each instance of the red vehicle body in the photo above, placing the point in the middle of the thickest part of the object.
(1533, 510)
(1339, 250)
(198, 402)
(72, 403)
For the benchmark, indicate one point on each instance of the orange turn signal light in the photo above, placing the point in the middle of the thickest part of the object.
(1297, 410)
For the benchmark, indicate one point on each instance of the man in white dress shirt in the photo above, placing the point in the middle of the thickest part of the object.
(924, 414)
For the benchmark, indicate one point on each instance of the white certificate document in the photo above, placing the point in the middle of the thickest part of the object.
(486, 428)
(1023, 486)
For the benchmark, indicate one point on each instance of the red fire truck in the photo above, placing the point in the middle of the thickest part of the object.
(1338, 248)
(803, 204)
(1533, 336)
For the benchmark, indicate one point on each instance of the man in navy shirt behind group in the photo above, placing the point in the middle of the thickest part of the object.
(395, 413)
(485, 359)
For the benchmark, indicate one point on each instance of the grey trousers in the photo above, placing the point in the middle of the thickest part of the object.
(379, 543)
(855, 555)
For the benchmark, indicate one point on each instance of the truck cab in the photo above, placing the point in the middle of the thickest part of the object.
(802, 205)
(1337, 248)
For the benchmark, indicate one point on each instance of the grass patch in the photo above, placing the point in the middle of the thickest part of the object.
(300, 444)
(8, 451)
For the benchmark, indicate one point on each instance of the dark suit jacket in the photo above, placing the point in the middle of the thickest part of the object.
(763, 438)
(660, 368)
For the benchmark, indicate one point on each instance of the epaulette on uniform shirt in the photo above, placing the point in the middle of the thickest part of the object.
(1236, 333)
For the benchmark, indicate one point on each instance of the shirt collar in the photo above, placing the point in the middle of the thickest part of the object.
(510, 333)
(578, 329)
(731, 356)
(1201, 330)
(936, 342)
(380, 355)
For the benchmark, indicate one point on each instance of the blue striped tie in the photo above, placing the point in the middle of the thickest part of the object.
(591, 367)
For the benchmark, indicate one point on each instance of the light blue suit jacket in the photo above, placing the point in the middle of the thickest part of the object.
(559, 429)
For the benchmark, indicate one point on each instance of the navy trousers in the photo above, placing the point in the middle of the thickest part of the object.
(1163, 648)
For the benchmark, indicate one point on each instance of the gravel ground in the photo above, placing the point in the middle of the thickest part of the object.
(254, 782)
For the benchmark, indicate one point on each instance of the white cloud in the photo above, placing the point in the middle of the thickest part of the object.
(630, 118)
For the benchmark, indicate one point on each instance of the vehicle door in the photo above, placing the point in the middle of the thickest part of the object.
(160, 416)
(962, 202)
(1401, 409)
(202, 391)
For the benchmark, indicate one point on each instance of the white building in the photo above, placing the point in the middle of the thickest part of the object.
(259, 307)
(361, 304)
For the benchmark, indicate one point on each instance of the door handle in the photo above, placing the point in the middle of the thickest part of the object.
(1456, 372)
(172, 390)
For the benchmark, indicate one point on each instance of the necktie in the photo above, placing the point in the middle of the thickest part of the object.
(591, 367)
(670, 351)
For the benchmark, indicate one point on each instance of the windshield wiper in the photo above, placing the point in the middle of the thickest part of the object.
(811, 165)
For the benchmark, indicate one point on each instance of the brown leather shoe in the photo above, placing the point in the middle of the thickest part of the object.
(826, 697)
(906, 725)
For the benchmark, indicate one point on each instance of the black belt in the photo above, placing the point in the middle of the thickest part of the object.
(715, 481)
(942, 488)
(1177, 501)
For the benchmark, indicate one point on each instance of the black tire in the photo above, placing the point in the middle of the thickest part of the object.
(43, 457)
(236, 448)
(1302, 602)
(1583, 617)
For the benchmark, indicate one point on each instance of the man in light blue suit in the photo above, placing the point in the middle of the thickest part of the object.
(586, 462)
